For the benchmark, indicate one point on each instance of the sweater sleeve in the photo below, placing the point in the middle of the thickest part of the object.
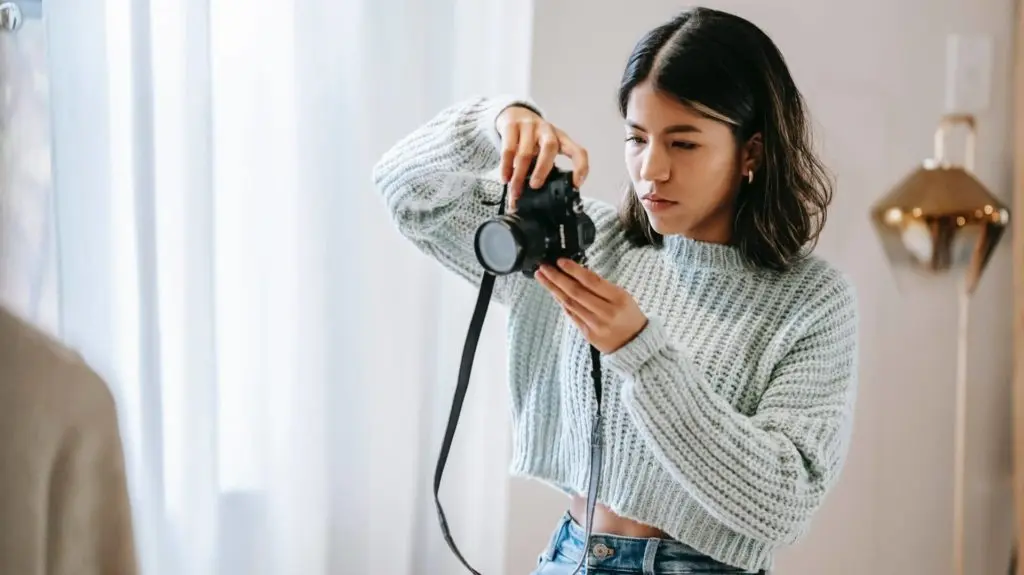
(763, 475)
(437, 190)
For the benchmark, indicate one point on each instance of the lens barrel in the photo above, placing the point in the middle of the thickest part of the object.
(499, 246)
(504, 244)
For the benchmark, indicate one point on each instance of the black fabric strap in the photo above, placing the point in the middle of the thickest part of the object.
(465, 368)
(596, 460)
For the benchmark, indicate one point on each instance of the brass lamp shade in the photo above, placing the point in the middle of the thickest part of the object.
(940, 217)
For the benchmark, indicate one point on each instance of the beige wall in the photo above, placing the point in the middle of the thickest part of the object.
(873, 73)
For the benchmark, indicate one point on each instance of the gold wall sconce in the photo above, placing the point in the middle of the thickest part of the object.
(940, 218)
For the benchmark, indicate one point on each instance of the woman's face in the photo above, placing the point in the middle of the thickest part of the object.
(685, 168)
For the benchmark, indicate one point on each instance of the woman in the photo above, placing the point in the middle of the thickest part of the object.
(729, 352)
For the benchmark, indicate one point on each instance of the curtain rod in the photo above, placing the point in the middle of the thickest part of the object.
(14, 12)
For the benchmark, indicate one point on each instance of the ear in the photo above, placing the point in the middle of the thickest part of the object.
(752, 155)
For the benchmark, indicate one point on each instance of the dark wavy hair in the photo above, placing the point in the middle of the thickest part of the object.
(729, 70)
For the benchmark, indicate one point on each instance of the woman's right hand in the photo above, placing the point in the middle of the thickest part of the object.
(524, 136)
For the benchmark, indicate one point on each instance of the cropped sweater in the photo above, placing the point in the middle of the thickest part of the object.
(727, 419)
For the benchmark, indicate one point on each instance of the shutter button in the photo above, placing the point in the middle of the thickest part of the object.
(602, 551)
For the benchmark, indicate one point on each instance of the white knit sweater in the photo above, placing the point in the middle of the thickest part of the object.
(727, 419)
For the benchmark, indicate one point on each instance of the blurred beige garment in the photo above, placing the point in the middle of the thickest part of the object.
(64, 506)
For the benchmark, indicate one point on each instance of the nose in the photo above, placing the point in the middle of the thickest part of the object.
(655, 166)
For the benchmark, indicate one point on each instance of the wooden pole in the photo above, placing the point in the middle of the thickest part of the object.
(1017, 234)
(960, 444)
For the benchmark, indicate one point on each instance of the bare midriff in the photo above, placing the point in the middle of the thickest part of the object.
(608, 522)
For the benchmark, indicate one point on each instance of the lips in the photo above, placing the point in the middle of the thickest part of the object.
(656, 202)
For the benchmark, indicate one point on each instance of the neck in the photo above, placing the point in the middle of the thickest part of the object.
(714, 229)
(716, 232)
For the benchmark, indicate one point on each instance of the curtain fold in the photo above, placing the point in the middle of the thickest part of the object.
(283, 361)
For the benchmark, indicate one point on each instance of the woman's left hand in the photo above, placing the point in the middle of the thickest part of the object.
(605, 313)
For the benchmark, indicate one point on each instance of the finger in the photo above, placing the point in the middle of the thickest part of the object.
(583, 317)
(525, 152)
(547, 140)
(509, 144)
(582, 325)
(589, 279)
(579, 156)
(576, 292)
(587, 320)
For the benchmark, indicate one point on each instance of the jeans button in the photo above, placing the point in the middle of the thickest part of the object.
(602, 551)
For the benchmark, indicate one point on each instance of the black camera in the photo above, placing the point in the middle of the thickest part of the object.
(549, 223)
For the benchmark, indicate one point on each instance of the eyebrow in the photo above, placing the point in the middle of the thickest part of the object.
(676, 129)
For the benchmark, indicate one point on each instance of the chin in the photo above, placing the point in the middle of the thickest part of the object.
(659, 224)
(656, 225)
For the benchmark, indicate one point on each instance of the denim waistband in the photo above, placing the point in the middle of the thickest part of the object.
(649, 556)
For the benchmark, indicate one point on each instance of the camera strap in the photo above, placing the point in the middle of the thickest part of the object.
(596, 440)
(465, 369)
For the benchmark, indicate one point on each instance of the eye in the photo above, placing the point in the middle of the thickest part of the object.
(685, 145)
(634, 140)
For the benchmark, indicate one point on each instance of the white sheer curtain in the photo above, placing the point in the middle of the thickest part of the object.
(283, 361)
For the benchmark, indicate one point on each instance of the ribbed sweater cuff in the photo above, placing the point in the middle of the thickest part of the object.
(632, 356)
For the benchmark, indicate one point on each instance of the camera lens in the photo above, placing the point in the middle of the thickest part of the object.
(498, 247)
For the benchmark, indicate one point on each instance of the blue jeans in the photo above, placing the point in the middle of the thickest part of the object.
(614, 555)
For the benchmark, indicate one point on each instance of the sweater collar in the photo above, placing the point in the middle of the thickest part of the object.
(693, 253)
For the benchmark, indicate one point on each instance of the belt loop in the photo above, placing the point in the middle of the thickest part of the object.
(650, 553)
(556, 537)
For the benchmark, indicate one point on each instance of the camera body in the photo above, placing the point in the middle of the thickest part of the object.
(549, 223)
